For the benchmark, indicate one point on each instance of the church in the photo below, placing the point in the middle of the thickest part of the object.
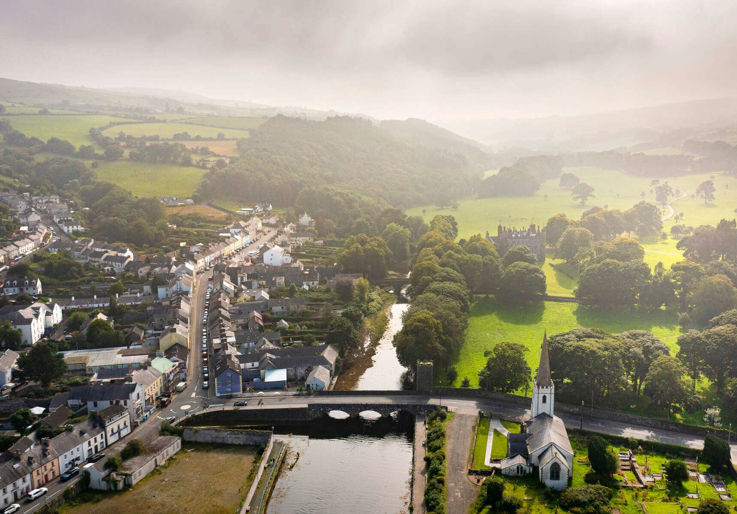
(543, 446)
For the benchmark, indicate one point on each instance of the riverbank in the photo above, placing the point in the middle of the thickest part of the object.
(360, 359)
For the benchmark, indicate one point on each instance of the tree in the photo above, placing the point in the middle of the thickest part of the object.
(506, 370)
(22, 419)
(344, 289)
(612, 284)
(582, 192)
(719, 353)
(43, 363)
(114, 462)
(712, 296)
(556, 226)
(10, 337)
(641, 349)
(716, 452)
(664, 383)
(676, 472)
(421, 338)
(116, 287)
(522, 282)
(663, 192)
(601, 457)
(342, 334)
(573, 243)
(518, 254)
(446, 225)
(568, 180)
(691, 354)
(493, 491)
(706, 191)
(361, 291)
(712, 506)
(397, 239)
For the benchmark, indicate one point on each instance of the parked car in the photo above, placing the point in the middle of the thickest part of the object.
(205, 384)
(171, 419)
(69, 474)
(37, 493)
(240, 403)
(11, 508)
(164, 402)
(95, 457)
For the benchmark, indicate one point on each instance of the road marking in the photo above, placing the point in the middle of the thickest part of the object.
(185, 407)
(193, 393)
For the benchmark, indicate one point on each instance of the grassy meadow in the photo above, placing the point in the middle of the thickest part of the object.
(151, 179)
(72, 128)
(227, 147)
(167, 130)
(229, 122)
(491, 323)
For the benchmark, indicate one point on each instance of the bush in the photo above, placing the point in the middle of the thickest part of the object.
(589, 498)
(452, 374)
(712, 506)
(114, 462)
(716, 452)
(602, 458)
(466, 382)
(494, 490)
(509, 505)
(676, 472)
(133, 449)
(169, 429)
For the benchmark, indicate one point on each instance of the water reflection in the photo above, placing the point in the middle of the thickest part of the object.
(386, 372)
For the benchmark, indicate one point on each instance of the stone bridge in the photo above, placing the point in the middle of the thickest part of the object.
(354, 409)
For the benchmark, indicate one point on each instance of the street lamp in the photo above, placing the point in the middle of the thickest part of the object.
(581, 426)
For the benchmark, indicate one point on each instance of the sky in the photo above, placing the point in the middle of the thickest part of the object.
(438, 60)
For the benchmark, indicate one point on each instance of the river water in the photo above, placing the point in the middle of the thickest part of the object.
(385, 374)
(351, 474)
(368, 470)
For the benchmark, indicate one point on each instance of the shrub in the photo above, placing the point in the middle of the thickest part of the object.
(169, 429)
(509, 505)
(452, 374)
(494, 490)
(114, 462)
(676, 472)
(712, 506)
(716, 452)
(133, 449)
(602, 458)
(466, 382)
(589, 498)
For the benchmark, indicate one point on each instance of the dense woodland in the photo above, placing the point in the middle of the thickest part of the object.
(285, 156)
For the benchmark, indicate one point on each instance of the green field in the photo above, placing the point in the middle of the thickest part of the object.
(148, 179)
(613, 189)
(491, 323)
(72, 128)
(167, 130)
(230, 122)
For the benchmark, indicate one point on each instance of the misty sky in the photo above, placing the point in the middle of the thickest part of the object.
(437, 60)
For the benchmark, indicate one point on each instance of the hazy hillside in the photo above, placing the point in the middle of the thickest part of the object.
(286, 155)
(604, 130)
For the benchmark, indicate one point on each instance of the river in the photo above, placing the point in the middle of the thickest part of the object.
(385, 374)
(355, 473)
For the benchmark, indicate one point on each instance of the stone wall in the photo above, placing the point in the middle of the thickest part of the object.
(224, 436)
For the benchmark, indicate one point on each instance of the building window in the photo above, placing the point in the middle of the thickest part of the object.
(555, 471)
(545, 398)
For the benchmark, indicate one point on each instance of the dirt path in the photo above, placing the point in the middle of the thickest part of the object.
(671, 211)
(461, 492)
(420, 468)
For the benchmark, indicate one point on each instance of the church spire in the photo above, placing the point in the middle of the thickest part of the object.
(543, 370)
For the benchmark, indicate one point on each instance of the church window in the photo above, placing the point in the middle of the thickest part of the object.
(555, 471)
(545, 398)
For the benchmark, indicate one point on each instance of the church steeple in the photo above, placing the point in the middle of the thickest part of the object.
(543, 390)
(543, 370)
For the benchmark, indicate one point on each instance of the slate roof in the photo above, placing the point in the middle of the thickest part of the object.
(544, 430)
(551, 454)
(7, 360)
(517, 445)
(107, 392)
(58, 417)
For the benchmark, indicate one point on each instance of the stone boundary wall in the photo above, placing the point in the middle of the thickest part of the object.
(225, 436)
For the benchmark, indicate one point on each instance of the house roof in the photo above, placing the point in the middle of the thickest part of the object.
(103, 392)
(177, 351)
(517, 460)
(161, 364)
(320, 373)
(110, 412)
(550, 455)
(146, 377)
(58, 417)
(275, 375)
(7, 360)
(545, 430)
(517, 445)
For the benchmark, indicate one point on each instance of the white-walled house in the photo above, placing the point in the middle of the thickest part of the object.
(117, 423)
(276, 256)
(13, 286)
(71, 444)
(8, 361)
(26, 319)
(15, 482)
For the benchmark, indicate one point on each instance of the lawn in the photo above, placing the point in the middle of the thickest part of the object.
(561, 278)
(228, 122)
(479, 449)
(150, 179)
(72, 128)
(491, 323)
(200, 478)
(498, 445)
(613, 189)
(167, 130)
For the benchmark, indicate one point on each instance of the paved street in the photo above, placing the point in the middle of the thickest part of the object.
(461, 492)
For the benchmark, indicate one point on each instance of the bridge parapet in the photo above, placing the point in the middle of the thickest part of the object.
(354, 409)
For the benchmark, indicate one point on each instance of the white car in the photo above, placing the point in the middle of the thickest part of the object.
(11, 508)
(37, 493)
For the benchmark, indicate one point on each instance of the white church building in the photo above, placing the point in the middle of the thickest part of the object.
(543, 446)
